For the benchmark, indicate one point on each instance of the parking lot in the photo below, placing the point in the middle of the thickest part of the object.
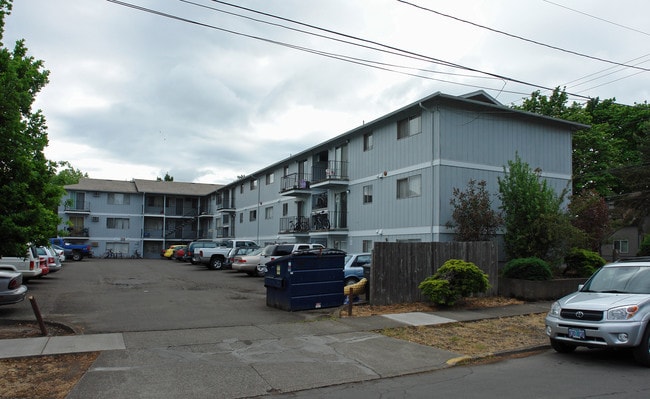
(120, 295)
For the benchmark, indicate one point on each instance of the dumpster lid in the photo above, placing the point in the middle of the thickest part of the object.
(319, 252)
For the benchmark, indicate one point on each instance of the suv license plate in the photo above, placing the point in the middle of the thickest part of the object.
(577, 333)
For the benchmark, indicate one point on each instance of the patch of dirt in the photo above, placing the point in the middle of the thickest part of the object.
(40, 377)
(474, 339)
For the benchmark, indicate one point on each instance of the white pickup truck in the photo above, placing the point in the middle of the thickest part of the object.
(215, 258)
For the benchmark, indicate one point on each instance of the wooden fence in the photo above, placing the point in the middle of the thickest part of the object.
(399, 268)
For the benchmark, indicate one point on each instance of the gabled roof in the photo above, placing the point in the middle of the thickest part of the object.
(144, 186)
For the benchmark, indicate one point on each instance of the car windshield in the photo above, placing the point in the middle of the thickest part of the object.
(624, 279)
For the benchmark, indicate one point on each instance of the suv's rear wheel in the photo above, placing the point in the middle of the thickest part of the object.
(642, 352)
(216, 263)
(562, 347)
(77, 256)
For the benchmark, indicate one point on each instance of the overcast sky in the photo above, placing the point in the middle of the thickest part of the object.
(204, 95)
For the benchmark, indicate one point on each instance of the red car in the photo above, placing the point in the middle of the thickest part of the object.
(179, 253)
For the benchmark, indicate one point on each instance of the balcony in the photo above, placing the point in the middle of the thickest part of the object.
(318, 222)
(226, 204)
(83, 208)
(295, 185)
(78, 232)
(330, 174)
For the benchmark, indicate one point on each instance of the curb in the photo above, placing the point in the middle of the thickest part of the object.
(461, 360)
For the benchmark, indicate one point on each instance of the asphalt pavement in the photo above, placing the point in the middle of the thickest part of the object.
(254, 360)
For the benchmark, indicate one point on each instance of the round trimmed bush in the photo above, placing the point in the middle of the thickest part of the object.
(455, 279)
(644, 248)
(582, 263)
(528, 269)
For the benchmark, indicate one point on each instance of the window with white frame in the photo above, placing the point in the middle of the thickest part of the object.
(253, 184)
(241, 217)
(285, 209)
(118, 199)
(367, 141)
(268, 212)
(409, 187)
(409, 126)
(270, 178)
(117, 223)
(252, 216)
(622, 246)
(367, 194)
(366, 246)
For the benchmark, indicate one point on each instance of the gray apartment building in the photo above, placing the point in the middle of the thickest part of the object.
(387, 180)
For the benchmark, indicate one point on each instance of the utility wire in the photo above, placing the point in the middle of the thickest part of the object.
(349, 59)
(598, 18)
(523, 38)
(393, 48)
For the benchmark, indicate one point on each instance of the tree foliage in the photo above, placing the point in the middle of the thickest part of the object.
(474, 219)
(589, 213)
(455, 279)
(29, 198)
(67, 174)
(535, 223)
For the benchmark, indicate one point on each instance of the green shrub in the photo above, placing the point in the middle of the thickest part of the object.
(582, 263)
(454, 280)
(644, 249)
(528, 269)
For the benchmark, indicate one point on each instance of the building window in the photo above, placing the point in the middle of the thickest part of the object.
(117, 223)
(118, 199)
(622, 246)
(252, 216)
(253, 184)
(409, 126)
(241, 217)
(409, 187)
(367, 194)
(268, 213)
(367, 141)
(241, 188)
(285, 171)
(285, 209)
(270, 178)
(366, 246)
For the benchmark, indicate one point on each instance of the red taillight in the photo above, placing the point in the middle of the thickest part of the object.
(50, 260)
(32, 264)
(201, 253)
(14, 283)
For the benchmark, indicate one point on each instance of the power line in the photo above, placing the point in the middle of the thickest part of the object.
(523, 38)
(393, 48)
(598, 18)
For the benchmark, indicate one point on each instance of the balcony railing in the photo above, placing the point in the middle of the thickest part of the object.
(295, 181)
(83, 207)
(78, 232)
(330, 170)
(318, 222)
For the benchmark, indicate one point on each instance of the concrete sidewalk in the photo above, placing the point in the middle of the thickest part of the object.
(245, 361)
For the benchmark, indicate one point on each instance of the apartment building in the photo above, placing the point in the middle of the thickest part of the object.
(142, 215)
(387, 180)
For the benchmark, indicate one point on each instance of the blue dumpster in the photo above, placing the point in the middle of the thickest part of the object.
(310, 279)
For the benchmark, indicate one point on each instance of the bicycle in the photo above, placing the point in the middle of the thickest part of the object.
(321, 222)
(136, 255)
(109, 254)
(298, 226)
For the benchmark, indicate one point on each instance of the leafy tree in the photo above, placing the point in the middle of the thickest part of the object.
(29, 198)
(582, 263)
(473, 215)
(166, 178)
(535, 224)
(590, 213)
(532, 268)
(67, 174)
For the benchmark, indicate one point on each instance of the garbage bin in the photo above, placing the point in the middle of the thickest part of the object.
(310, 279)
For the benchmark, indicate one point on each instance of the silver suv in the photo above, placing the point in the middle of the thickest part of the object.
(611, 310)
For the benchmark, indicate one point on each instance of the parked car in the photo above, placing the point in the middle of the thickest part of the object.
(73, 251)
(248, 263)
(28, 264)
(272, 252)
(192, 248)
(170, 250)
(12, 289)
(611, 310)
(53, 263)
(241, 251)
(60, 252)
(353, 268)
(178, 253)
